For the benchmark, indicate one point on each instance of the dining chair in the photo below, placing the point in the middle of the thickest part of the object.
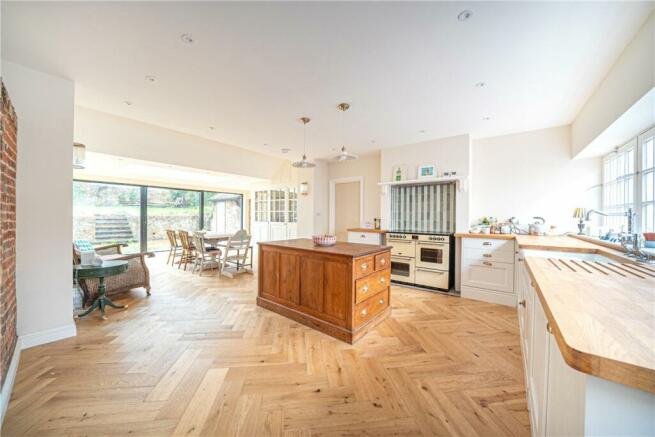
(206, 256)
(235, 258)
(174, 247)
(188, 249)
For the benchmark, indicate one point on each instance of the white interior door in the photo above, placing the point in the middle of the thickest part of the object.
(346, 208)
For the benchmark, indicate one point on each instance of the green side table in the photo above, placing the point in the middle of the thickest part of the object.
(108, 268)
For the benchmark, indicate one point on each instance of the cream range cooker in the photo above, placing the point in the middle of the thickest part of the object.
(426, 260)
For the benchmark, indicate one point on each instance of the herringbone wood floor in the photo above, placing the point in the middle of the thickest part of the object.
(199, 358)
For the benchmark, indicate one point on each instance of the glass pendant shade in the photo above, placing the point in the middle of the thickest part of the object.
(79, 155)
(304, 163)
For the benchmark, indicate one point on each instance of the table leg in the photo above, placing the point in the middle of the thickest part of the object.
(101, 302)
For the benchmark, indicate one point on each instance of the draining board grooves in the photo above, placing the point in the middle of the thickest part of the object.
(596, 267)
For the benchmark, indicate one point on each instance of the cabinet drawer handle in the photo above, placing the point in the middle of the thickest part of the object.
(365, 289)
(486, 255)
(383, 261)
(364, 312)
(382, 280)
(364, 266)
(381, 302)
(522, 303)
(363, 235)
(486, 243)
(487, 263)
(520, 259)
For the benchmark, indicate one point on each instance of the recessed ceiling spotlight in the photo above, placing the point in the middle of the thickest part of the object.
(480, 85)
(187, 38)
(285, 150)
(465, 15)
(151, 79)
(486, 118)
(373, 141)
(211, 128)
(127, 103)
(265, 144)
(422, 131)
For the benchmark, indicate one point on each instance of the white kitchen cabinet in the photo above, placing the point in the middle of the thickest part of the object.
(364, 237)
(563, 401)
(278, 231)
(487, 270)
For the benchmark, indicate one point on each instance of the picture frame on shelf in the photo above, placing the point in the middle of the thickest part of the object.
(427, 171)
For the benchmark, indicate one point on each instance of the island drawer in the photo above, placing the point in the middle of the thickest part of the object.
(371, 307)
(382, 260)
(363, 266)
(371, 284)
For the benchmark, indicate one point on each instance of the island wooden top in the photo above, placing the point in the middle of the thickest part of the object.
(353, 250)
(374, 231)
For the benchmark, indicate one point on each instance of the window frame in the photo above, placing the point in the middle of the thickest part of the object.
(630, 180)
(143, 219)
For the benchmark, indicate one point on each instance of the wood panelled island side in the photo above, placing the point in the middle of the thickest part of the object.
(341, 290)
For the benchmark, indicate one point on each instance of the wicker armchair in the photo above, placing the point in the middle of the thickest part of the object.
(137, 274)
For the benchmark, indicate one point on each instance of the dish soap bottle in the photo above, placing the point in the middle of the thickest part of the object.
(398, 174)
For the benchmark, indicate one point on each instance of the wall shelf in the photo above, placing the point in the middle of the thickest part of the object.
(460, 182)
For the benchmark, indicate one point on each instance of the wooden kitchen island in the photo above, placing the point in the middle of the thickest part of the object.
(341, 290)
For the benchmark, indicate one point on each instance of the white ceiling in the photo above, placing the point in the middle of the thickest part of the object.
(254, 68)
(99, 166)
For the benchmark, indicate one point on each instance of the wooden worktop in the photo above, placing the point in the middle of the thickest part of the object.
(374, 231)
(340, 248)
(602, 314)
(492, 236)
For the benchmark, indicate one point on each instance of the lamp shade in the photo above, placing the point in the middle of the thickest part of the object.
(580, 213)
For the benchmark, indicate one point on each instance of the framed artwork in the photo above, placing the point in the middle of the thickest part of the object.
(427, 171)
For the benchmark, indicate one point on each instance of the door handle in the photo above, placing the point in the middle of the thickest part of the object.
(522, 303)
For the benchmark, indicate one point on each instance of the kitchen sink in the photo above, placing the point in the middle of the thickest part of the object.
(583, 256)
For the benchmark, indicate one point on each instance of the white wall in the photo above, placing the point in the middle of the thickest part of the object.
(631, 77)
(106, 133)
(313, 208)
(44, 106)
(368, 167)
(532, 174)
(449, 154)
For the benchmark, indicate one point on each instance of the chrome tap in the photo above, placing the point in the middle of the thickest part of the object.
(630, 241)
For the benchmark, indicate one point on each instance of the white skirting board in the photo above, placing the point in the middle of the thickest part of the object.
(25, 342)
(5, 394)
(47, 336)
(508, 299)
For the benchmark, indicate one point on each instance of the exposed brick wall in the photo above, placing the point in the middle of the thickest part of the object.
(8, 153)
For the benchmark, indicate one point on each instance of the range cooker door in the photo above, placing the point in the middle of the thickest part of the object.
(405, 248)
(431, 278)
(402, 269)
(432, 255)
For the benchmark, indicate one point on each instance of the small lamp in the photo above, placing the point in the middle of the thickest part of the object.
(580, 214)
(303, 189)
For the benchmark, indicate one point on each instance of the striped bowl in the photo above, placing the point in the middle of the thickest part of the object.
(324, 240)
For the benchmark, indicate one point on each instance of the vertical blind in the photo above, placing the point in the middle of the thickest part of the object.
(423, 208)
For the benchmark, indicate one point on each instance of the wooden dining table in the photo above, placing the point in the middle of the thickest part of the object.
(214, 237)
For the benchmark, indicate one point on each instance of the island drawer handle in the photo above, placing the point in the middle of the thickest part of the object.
(365, 289)
(364, 312)
(381, 302)
(383, 261)
(382, 280)
(364, 266)
(487, 263)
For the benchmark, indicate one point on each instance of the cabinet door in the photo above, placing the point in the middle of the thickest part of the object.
(278, 231)
(292, 231)
(488, 275)
(565, 410)
(539, 369)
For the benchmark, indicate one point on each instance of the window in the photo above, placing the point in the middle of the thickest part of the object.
(646, 143)
(261, 206)
(222, 212)
(171, 209)
(293, 205)
(139, 216)
(628, 182)
(107, 214)
(277, 206)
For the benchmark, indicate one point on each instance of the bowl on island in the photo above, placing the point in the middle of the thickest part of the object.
(324, 240)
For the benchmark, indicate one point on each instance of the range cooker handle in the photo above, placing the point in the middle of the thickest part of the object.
(418, 269)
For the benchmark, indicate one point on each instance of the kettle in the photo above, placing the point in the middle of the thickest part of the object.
(538, 227)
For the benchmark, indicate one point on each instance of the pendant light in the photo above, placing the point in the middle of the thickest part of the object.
(344, 155)
(304, 163)
(79, 155)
